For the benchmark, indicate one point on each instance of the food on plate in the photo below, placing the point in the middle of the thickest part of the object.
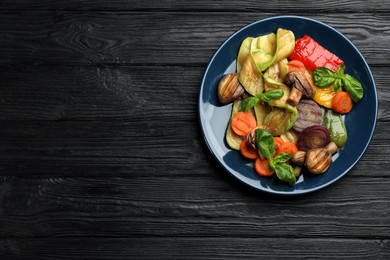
(229, 88)
(289, 99)
(316, 136)
(316, 160)
(313, 55)
(336, 127)
(300, 86)
(309, 114)
(342, 102)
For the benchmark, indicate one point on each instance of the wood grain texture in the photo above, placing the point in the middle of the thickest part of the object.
(154, 38)
(199, 206)
(200, 5)
(105, 121)
(195, 248)
(102, 156)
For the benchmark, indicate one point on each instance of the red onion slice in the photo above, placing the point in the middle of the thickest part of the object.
(316, 136)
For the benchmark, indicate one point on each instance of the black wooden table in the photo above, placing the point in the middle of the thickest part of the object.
(101, 152)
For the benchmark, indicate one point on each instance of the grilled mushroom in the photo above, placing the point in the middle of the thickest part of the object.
(318, 160)
(229, 88)
(300, 86)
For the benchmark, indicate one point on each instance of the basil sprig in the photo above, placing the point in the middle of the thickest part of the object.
(285, 173)
(266, 145)
(267, 96)
(324, 77)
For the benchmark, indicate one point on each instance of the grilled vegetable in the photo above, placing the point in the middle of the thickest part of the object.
(342, 102)
(232, 139)
(324, 96)
(250, 77)
(313, 55)
(285, 43)
(316, 136)
(242, 123)
(300, 86)
(243, 53)
(280, 120)
(309, 113)
(335, 124)
(318, 160)
(229, 88)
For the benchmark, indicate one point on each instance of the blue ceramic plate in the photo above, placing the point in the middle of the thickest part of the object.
(360, 122)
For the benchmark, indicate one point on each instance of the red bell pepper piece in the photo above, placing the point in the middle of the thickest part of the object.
(313, 55)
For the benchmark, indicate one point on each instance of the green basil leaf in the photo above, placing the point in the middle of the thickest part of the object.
(282, 158)
(338, 84)
(324, 77)
(271, 165)
(270, 95)
(265, 143)
(278, 159)
(285, 173)
(248, 103)
(353, 87)
(340, 70)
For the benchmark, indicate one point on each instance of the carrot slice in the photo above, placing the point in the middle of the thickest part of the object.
(243, 123)
(288, 147)
(247, 150)
(278, 141)
(342, 102)
(262, 168)
(296, 65)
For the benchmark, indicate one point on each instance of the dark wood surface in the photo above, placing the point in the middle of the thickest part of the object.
(101, 152)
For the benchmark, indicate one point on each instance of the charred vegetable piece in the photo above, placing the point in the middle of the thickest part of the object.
(232, 139)
(318, 160)
(335, 124)
(250, 77)
(262, 59)
(272, 48)
(260, 112)
(313, 55)
(276, 74)
(280, 120)
(267, 43)
(313, 137)
(243, 53)
(309, 113)
(290, 136)
(299, 158)
(285, 44)
(300, 86)
(324, 96)
(243, 122)
(229, 88)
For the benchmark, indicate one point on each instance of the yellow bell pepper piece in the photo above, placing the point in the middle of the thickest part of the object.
(324, 96)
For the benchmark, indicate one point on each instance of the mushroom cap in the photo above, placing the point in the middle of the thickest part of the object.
(300, 82)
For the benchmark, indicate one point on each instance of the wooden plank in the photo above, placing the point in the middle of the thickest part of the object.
(189, 206)
(119, 149)
(194, 248)
(73, 38)
(199, 5)
(127, 93)
(90, 121)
